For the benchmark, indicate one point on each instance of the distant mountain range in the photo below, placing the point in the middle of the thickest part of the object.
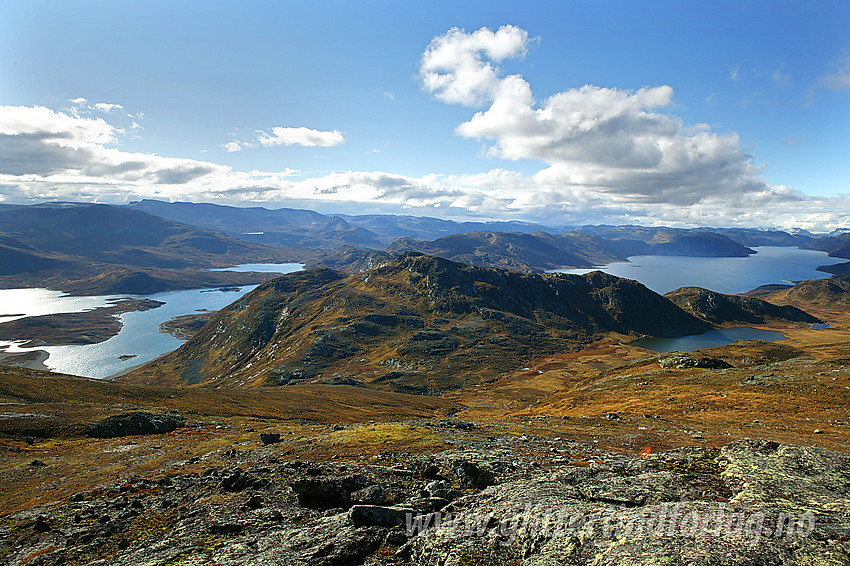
(151, 246)
(94, 249)
(292, 227)
(541, 251)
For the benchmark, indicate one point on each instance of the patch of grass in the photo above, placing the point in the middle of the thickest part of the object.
(378, 437)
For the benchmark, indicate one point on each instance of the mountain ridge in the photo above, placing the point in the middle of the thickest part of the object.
(416, 323)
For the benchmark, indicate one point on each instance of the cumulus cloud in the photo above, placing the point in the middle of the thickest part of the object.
(107, 107)
(279, 135)
(38, 141)
(455, 66)
(607, 156)
(301, 136)
(593, 138)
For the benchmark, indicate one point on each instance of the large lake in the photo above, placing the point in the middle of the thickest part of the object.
(770, 264)
(139, 336)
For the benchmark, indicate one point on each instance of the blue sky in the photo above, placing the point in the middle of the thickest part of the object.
(193, 79)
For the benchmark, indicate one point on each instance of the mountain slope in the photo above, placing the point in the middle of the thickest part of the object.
(831, 293)
(718, 308)
(417, 323)
(836, 246)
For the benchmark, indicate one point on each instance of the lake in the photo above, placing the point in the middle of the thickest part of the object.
(264, 267)
(139, 335)
(770, 264)
(710, 339)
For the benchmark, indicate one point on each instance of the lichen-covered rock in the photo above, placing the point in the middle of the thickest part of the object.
(756, 503)
(136, 423)
(684, 361)
(686, 506)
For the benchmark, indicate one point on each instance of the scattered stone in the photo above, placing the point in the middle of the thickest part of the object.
(29, 440)
(42, 524)
(37, 464)
(613, 417)
(237, 480)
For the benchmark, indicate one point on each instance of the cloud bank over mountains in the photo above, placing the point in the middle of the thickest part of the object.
(607, 156)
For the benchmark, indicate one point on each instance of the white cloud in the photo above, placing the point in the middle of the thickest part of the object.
(300, 136)
(107, 107)
(609, 156)
(289, 136)
(591, 138)
(454, 68)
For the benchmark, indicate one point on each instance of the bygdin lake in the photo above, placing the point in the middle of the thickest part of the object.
(263, 267)
(769, 265)
(139, 336)
(709, 339)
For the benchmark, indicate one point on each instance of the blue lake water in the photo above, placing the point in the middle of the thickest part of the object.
(710, 339)
(263, 267)
(770, 264)
(139, 334)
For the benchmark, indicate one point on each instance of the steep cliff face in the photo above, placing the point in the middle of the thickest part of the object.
(416, 323)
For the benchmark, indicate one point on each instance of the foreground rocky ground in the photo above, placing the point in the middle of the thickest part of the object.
(486, 497)
(609, 455)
